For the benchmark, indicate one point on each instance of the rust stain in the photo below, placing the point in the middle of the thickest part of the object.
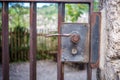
(95, 65)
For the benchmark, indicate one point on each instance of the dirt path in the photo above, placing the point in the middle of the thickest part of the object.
(46, 70)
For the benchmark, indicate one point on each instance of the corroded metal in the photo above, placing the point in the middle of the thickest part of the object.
(60, 65)
(55, 1)
(82, 47)
(95, 38)
(62, 35)
(75, 38)
(5, 46)
(33, 41)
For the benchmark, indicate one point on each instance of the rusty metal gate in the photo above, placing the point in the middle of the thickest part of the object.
(77, 42)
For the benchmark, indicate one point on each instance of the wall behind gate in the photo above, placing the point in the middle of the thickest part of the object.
(110, 40)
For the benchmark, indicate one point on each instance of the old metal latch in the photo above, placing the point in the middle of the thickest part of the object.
(75, 37)
(75, 41)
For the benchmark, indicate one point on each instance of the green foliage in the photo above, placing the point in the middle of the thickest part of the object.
(18, 41)
(44, 55)
(17, 14)
(96, 5)
(74, 11)
(48, 11)
(20, 32)
(44, 47)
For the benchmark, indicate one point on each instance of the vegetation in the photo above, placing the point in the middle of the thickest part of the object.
(48, 11)
(17, 12)
(74, 11)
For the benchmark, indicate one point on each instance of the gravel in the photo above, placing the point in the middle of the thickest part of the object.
(46, 70)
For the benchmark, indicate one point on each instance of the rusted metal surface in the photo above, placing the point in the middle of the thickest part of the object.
(33, 41)
(82, 47)
(89, 71)
(75, 38)
(55, 1)
(62, 35)
(60, 66)
(89, 68)
(95, 38)
(5, 46)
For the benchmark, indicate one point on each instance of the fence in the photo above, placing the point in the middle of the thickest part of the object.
(46, 46)
(18, 44)
(19, 40)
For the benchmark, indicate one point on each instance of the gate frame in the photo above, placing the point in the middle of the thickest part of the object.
(61, 15)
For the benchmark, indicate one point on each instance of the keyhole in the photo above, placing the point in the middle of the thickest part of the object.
(74, 51)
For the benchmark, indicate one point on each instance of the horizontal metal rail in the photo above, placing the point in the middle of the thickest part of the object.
(52, 1)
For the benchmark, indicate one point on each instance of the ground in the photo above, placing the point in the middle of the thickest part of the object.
(46, 70)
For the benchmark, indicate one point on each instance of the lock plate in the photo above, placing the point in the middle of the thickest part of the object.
(75, 52)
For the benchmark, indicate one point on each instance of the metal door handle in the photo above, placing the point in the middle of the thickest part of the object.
(75, 37)
(63, 35)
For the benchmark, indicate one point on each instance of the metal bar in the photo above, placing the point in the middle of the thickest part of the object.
(61, 14)
(89, 72)
(95, 27)
(33, 41)
(5, 46)
(62, 35)
(89, 68)
(55, 1)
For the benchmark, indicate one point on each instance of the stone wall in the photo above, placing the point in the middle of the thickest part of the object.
(110, 40)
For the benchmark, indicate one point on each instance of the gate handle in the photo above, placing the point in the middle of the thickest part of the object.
(75, 38)
(63, 35)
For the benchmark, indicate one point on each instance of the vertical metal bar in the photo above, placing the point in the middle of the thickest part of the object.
(5, 47)
(60, 66)
(89, 69)
(91, 6)
(33, 41)
(89, 72)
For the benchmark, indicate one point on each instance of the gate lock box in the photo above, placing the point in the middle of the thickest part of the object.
(78, 38)
(75, 48)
